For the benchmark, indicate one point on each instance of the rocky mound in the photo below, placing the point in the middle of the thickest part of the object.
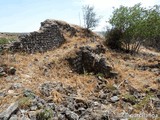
(89, 60)
(75, 81)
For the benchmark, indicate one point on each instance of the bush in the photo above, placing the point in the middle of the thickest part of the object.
(45, 114)
(113, 38)
(139, 25)
(5, 41)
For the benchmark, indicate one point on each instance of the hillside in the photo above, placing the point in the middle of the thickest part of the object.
(43, 85)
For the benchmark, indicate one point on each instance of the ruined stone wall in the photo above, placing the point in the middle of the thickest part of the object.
(89, 60)
(48, 37)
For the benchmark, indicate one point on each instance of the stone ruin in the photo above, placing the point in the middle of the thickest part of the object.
(48, 37)
(89, 60)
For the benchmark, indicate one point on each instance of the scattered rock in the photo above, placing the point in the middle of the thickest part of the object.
(114, 99)
(28, 93)
(6, 70)
(89, 60)
(11, 71)
(14, 117)
(157, 104)
(71, 115)
(5, 115)
(45, 89)
(16, 86)
(33, 108)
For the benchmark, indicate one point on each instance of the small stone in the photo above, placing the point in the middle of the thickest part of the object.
(28, 93)
(33, 108)
(114, 99)
(32, 115)
(40, 105)
(3, 74)
(25, 118)
(10, 91)
(113, 74)
(2, 94)
(157, 104)
(12, 71)
(16, 86)
(1, 69)
(158, 94)
(71, 115)
(14, 117)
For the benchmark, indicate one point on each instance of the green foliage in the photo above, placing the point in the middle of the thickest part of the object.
(113, 38)
(100, 75)
(5, 41)
(130, 98)
(89, 17)
(45, 114)
(138, 25)
(144, 101)
(24, 102)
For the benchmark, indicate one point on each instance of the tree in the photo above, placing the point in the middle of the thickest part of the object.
(138, 25)
(89, 17)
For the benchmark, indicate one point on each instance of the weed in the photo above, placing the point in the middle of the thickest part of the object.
(130, 98)
(24, 102)
(5, 41)
(45, 114)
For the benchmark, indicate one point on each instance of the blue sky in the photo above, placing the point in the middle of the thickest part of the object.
(26, 15)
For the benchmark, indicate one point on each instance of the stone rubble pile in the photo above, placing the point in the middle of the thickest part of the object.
(91, 60)
(73, 107)
(6, 70)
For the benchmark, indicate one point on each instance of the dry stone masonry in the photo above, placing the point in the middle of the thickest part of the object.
(89, 60)
(48, 37)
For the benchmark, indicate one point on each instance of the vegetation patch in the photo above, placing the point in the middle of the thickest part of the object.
(130, 98)
(5, 40)
(45, 114)
(24, 102)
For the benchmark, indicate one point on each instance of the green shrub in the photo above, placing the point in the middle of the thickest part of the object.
(45, 114)
(5, 41)
(113, 38)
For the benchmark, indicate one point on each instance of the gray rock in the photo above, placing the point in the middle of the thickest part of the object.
(16, 86)
(40, 105)
(114, 99)
(32, 115)
(12, 71)
(9, 111)
(71, 115)
(33, 108)
(25, 118)
(1, 69)
(89, 60)
(3, 74)
(14, 117)
(157, 104)
(45, 89)
(28, 93)
(2, 94)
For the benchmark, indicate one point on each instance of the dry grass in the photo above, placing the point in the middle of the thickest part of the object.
(35, 69)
